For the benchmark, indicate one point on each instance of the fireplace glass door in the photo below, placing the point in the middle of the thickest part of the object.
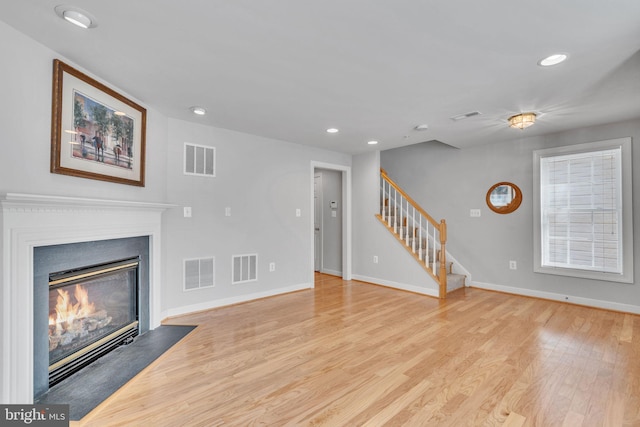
(91, 311)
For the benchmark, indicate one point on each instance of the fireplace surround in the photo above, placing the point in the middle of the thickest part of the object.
(30, 221)
(89, 297)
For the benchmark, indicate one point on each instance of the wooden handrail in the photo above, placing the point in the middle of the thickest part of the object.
(414, 203)
(442, 231)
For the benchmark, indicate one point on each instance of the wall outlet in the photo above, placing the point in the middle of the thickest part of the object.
(227, 211)
(474, 213)
(187, 211)
(298, 212)
(272, 266)
(513, 265)
(375, 259)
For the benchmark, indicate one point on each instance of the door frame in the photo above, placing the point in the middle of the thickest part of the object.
(318, 241)
(346, 217)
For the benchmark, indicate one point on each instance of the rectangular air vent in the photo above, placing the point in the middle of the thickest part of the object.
(199, 273)
(199, 160)
(465, 115)
(245, 268)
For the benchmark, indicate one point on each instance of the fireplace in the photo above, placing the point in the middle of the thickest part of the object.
(105, 286)
(33, 226)
(92, 310)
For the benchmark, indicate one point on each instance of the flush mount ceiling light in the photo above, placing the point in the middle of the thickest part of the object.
(76, 16)
(522, 120)
(372, 142)
(421, 127)
(332, 130)
(199, 111)
(554, 59)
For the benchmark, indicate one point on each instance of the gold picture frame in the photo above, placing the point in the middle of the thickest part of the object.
(96, 133)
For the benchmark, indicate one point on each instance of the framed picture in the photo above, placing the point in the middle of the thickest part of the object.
(96, 133)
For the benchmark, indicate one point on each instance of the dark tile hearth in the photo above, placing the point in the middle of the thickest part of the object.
(87, 388)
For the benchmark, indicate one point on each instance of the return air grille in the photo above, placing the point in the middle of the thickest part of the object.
(245, 268)
(199, 160)
(199, 273)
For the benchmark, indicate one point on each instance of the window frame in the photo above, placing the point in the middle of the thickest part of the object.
(627, 210)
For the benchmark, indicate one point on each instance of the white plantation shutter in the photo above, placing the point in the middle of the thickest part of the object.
(581, 202)
(583, 212)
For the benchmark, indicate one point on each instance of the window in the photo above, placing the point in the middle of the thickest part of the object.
(583, 215)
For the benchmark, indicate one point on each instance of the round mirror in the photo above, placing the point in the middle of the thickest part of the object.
(504, 197)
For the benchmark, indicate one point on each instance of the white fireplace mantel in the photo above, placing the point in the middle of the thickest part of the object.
(31, 220)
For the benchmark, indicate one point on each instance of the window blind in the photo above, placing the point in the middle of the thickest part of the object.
(581, 211)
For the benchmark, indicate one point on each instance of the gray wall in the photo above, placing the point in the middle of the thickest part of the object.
(25, 120)
(395, 266)
(448, 182)
(263, 181)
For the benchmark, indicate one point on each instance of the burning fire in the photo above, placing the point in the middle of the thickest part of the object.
(74, 318)
(67, 312)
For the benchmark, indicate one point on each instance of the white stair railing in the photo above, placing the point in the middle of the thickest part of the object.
(423, 236)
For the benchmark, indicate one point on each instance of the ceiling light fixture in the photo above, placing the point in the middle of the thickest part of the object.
(372, 142)
(332, 130)
(199, 111)
(522, 120)
(76, 16)
(554, 59)
(421, 127)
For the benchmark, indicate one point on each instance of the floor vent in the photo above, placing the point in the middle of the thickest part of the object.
(245, 268)
(199, 273)
(199, 160)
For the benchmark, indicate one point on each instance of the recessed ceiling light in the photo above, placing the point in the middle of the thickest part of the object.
(554, 59)
(372, 142)
(200, 111)
(76, 16)
(332, 130)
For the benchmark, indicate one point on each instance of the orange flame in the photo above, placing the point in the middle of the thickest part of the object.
(67, 311)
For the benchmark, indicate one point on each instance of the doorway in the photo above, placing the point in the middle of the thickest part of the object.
(331, 225)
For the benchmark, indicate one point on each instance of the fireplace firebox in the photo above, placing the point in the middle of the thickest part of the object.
(92, 310)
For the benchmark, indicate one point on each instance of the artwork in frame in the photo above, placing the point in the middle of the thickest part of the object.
(96, 133)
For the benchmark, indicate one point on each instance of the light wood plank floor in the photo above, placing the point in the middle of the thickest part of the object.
(353, 354)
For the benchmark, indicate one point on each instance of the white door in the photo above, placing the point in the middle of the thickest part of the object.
(317, 220)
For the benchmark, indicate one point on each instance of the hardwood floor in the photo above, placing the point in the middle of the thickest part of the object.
(349, 354)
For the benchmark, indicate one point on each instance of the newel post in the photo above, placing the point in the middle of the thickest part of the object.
(442, 275)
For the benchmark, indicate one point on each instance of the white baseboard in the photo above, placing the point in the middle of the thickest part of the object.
(233, 300)
(396, 285)
(589, 302)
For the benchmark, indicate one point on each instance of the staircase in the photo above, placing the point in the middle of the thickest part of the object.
(422, 236)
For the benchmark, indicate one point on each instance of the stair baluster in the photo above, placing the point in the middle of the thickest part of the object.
(417, 225)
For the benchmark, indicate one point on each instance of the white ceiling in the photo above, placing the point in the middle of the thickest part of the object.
(289, 69)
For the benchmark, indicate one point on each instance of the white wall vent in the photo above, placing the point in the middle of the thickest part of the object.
(199, 273)
(199, 160)
(245, 268)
